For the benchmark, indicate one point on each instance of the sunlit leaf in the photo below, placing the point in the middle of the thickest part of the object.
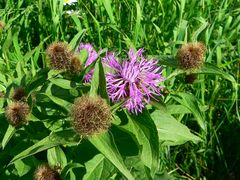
(143, 129)
(66, 137)
(8, 135)
(56, 157)
(170, 131)
(105, 144)
(98, 168)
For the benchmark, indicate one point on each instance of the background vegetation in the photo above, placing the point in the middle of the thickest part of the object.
(209, 106)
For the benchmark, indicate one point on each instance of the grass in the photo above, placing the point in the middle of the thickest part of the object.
(159, 26)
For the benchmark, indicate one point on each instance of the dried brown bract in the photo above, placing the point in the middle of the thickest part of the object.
(2, 94)
(2, 25)
(16, 113)
(191, 55)
(190, 78)
(19, 94)
(59, 55)
(76, 65)
(91, 115)
(44, 172)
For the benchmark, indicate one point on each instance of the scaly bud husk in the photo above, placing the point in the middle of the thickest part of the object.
(59, 55)
(190, 78)
(19, 94)
(76, 65)
(2, 25)
(44, 172)
(16, 113)
(191, 56)
(91, 115)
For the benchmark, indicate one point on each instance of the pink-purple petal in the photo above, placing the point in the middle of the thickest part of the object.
(135, 80)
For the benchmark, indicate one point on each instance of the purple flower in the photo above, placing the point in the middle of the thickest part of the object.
(92, 56)
(135, 80)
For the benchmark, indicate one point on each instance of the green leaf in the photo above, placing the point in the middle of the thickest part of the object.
(105, 144)
(58, 101)
(74, 42)
(17, 47)
(77, 22)
(107, 5)
(63, 83)
(55, 72)
(8, 135)
(164, 176)
(83, 55)
(7, 43)
(177, 109)
(68, 168)
(84, 71)
(98, 84)
(190, 102)
(36, 50)
(98, 168)
(167, 60)
(144, 131)
(211, 69)
(65, 137)
(116, 106)
(175, 73)
(170, 131)
(38, 80)
(56, 157)
(22, 168)
(137, 168)
(137, 31)
(207, 68)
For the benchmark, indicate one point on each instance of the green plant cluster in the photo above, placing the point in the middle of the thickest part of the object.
(191, 132)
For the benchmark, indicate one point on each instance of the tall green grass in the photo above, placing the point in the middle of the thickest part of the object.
(209, 107)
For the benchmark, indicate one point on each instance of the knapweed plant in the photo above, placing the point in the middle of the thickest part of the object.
(114, 89)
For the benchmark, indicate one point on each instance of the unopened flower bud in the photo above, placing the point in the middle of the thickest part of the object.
(191, 55)
(91, 115)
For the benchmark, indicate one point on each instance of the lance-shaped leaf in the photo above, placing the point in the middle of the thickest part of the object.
(98, 84)
(170, 131)
(8, 135)
(98, 168)
(65, 137)
(105, 144)
(144, 132)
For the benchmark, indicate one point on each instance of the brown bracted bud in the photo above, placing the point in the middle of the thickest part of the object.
(191, 56)
(190, 78)
(44, 172)
(19, 94)
(91, 115)
(60, 55)
(2, 25)
(2, 94)
(16, 113)
(76, 65)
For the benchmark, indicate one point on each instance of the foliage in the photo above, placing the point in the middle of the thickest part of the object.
(190, 132)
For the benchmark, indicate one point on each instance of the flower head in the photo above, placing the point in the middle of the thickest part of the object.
(135, 80)
(44, 172)
(92, 56)
(76, 65)
(190, 56)
(19, 94)
(60, 55)
(91, 115)
(17, 112)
